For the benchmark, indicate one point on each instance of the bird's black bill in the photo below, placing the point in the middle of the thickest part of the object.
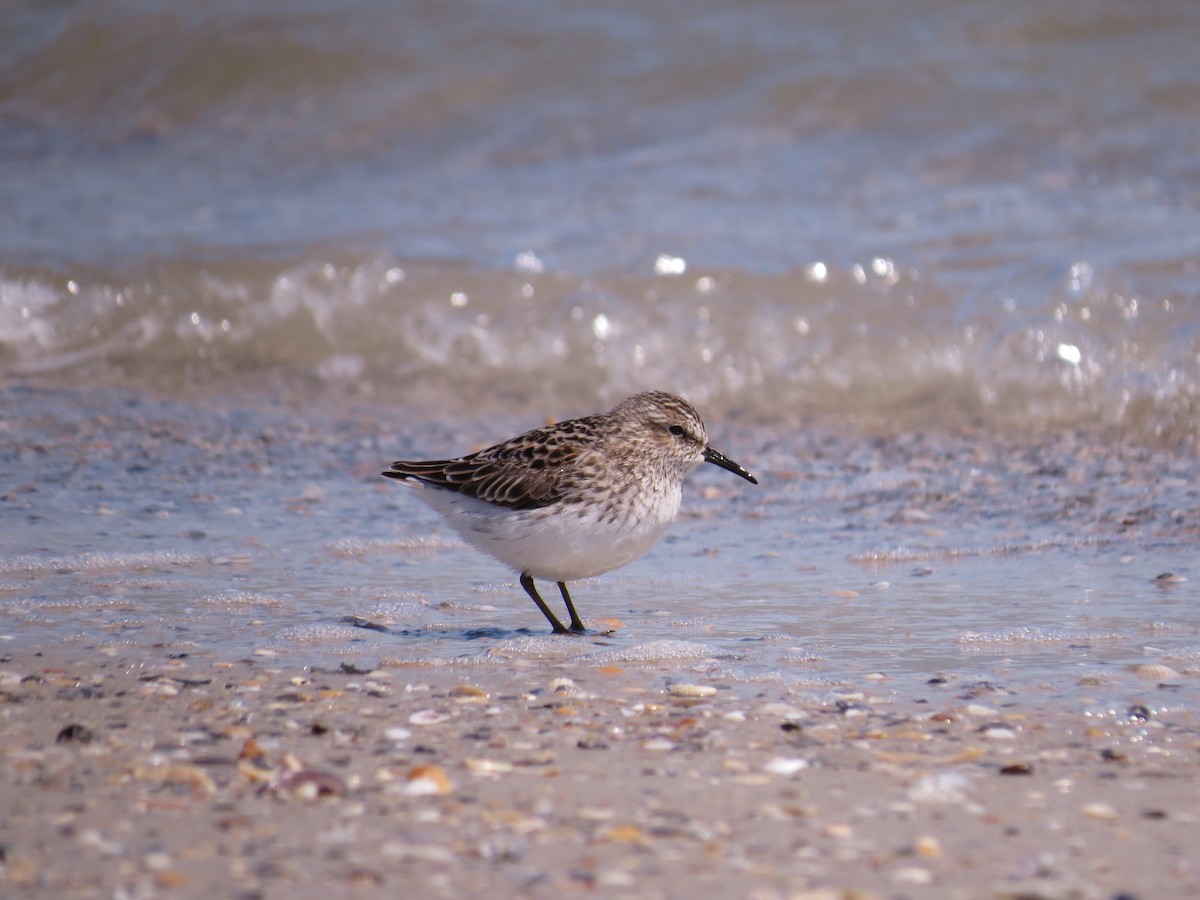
(720, 459)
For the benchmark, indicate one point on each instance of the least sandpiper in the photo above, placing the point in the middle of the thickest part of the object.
(576, 499)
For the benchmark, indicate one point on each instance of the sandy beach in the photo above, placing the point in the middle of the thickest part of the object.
(931, 276)
(190, 706)
(165, 774)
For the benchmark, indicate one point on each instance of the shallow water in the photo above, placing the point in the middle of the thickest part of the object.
(996, 565)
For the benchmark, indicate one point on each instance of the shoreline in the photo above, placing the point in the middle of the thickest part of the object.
(151, 744)
(196, 775)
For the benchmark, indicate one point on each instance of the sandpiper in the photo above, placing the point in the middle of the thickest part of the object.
(575, 499)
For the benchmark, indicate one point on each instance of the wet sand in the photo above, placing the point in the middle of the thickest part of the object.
(161, 774)
(185, 712)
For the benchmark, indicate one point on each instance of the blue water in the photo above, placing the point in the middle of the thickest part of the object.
(934, 211)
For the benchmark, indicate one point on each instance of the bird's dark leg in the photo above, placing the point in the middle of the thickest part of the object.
(576, 622)
(527, 583)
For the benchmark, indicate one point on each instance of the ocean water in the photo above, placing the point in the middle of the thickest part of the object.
(929, 268)
(940, 209)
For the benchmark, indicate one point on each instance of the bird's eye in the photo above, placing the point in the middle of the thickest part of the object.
(676, 430)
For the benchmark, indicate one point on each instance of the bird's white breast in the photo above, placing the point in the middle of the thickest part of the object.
(563, 542)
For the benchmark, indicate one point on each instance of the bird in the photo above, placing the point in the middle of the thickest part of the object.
(574, 499)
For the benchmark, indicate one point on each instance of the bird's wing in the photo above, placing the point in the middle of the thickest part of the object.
(527, 472)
